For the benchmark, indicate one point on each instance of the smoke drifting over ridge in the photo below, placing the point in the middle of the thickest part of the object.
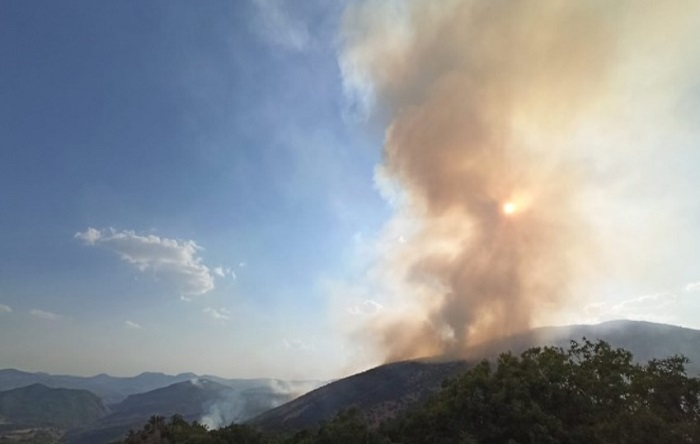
(496, 137)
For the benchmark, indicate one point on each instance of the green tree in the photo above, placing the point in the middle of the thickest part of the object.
(348, 427)
(591, 393)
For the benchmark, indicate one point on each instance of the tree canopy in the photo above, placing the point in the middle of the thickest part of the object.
(592, 393)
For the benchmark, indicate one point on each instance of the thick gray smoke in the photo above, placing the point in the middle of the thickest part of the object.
(496, 139)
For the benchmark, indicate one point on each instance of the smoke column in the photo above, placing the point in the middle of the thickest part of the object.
(495, 113)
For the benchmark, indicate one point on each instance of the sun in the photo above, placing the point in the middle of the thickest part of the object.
(509, 208)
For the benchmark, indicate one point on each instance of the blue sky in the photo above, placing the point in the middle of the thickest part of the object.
(220, 123)
(197, 186)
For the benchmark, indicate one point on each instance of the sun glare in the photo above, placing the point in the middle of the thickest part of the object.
(509, 208)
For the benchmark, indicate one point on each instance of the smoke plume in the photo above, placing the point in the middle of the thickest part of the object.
(242, 404)
(508, 125)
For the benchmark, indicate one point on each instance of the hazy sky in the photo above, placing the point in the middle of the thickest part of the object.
(197, 186)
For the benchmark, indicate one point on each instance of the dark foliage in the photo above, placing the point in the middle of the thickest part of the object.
(591, 393)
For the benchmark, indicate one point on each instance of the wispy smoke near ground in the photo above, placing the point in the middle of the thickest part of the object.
(510, 130)
(242, 404)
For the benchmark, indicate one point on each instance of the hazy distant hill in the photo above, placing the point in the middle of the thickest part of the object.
(111, 389)
(38, 405)
(188, 399)
(210, 402)
(386, 390)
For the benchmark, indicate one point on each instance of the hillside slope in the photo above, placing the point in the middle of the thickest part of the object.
(389, 389)
(380, 393)
(38, 405)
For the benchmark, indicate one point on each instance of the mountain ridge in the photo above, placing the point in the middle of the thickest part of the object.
(646, 340)
(114, 389)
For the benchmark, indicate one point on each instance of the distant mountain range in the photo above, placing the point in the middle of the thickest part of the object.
(131, 401)
(114, 389)
(385, 391)
(110, 389)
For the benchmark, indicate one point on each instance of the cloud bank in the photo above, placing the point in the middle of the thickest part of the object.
(174, 260)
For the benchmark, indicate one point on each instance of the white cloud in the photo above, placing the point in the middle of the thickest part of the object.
(173, 259)
(220, 314)
(693, 286)
(132, 325)
(5, 308)
(278, 26)
(89, 236)
(42, 314)
(223, 272)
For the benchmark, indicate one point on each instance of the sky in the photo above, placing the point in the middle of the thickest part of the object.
(230, 188)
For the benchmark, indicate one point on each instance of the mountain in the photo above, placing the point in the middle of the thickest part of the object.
(389, 389)
(379, 393)
(39, 405)
(189, 399)
(113, 389)
(209, 402)
(110, 388)
(646, 340)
